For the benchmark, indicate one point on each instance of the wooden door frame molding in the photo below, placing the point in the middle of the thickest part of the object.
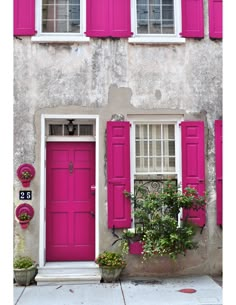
(42, 212)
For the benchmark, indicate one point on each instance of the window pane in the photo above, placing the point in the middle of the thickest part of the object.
(155, 148)
(171, 148)
(168, 148)
(169, 164)
(155, 131)
(155, 16)
(155, 165)
(138, 148)
(141, 164)
(55, 130)
(171, 131)
(85, 130)
(61, 16)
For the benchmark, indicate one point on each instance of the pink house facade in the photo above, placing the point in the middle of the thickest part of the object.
(109, 94)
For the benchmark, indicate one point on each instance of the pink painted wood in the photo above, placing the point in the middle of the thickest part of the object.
(219, 173)
(97, 22)
(118, 174)
(120, 18)
(193, 165)
(215, 18)
(136, 248)
(24, 17)
(70, 206)
(192, 19)
(108, 18)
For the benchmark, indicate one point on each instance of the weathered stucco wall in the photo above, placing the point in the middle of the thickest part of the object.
(108, 76)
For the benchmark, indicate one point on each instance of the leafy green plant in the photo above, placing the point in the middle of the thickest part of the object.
(161, 233)
(23, 262)
(110, 259)
(26, 175)
(24, 216)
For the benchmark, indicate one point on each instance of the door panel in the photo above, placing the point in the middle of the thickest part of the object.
(70, 204)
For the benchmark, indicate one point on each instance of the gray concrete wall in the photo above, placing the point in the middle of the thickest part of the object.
(105, 77)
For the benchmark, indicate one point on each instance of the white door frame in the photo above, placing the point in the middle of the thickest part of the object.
(42, 210)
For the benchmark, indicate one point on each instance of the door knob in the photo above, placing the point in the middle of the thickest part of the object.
(92, 213)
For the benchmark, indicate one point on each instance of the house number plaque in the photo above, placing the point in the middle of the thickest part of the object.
(25, 195)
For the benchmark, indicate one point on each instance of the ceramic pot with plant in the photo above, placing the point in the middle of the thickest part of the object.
(24, 220)
(25, 270)
(111, 265)
(25, 173)
(24, 214)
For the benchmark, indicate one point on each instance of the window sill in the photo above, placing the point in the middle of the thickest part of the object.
(59, 38)
(156, 40)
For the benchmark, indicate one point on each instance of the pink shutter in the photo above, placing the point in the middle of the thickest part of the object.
(97, 22)
(219, 174)
(108, 18)
(192, 19)
(24, 17)
(193, 165)
(118, 174)
(120, 18)
(215, 18)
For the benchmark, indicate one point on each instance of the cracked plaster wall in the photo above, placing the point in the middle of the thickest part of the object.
(108, 76)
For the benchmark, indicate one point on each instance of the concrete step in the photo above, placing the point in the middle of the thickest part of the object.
(68, 273)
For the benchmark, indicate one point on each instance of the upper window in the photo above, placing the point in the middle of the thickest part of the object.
(61, 16)
(60, 20)
(155, 17)
(156, 20)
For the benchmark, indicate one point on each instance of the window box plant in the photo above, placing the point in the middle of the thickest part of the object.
(159, 232)
(25, 269)
(24, 220)
(111, 265)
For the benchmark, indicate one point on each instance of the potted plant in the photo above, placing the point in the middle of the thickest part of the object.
(25, 269)
(25, 173)
(157, 214)
(24, 213)
(131, 242)
(111, 265)
(24, 220)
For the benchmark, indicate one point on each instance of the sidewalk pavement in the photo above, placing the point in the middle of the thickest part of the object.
(198, 290)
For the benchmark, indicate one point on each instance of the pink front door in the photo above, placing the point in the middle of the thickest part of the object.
(70, 201)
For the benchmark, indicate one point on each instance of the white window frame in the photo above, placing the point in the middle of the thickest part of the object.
(162, 119)
(59, 37)
(158, 119)
(157, 38)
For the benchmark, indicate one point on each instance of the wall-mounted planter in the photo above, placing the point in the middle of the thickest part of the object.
(25, 173)
(136, 248)
(24, 213)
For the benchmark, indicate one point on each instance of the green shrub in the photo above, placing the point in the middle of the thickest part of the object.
(110, 259)
(23, 262)
(161, 233)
